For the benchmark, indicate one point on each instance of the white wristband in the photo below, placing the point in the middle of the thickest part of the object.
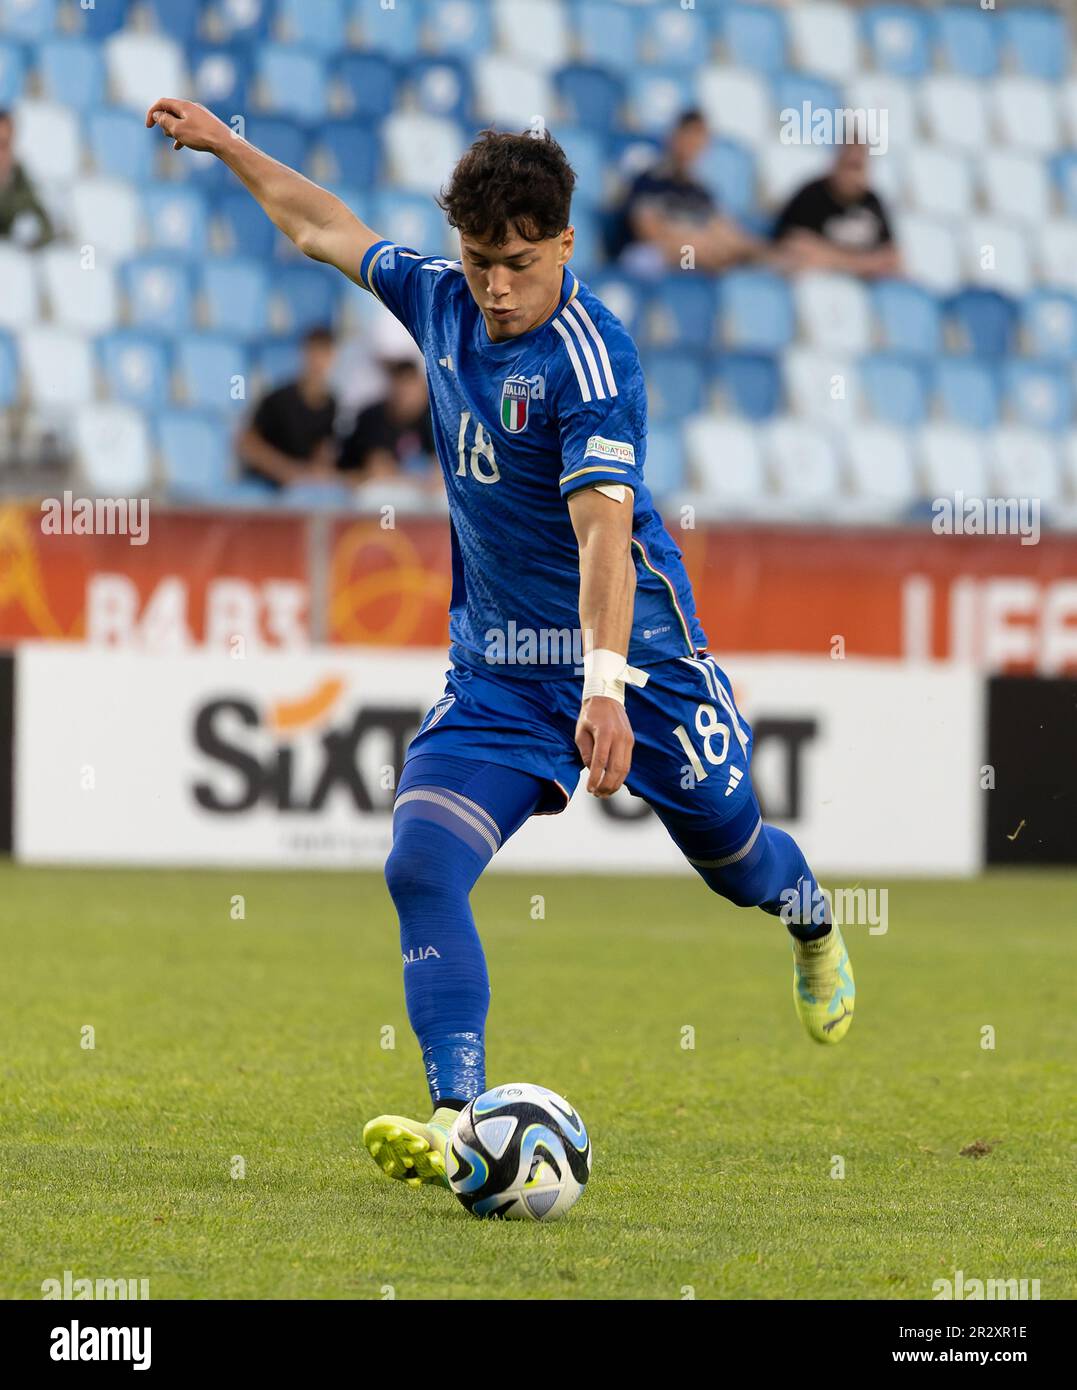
(607, 673)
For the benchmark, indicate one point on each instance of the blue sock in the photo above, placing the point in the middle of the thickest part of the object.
(774, 875)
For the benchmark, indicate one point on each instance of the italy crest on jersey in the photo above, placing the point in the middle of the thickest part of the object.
(515, 394)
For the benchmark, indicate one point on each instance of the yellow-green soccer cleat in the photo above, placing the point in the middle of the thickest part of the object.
(408, 1149)
(823, 988)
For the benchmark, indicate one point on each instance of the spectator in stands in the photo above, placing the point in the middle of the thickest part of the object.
(290, 438)
(667, 208)
(394, 438)
(838, 223)
(23, 218)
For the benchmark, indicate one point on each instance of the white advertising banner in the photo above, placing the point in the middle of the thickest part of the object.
(289, 760)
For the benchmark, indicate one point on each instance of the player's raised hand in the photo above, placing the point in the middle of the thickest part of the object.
(189, 124)
(605, 740)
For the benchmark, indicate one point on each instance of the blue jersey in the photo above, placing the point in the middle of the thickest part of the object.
(519, 425)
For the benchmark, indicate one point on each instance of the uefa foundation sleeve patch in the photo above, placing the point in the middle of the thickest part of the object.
(612, 450)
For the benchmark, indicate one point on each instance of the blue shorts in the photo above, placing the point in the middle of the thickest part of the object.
(690, 761)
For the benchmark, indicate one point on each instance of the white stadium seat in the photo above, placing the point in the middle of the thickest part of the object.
(57, 366)
(142, 67)
(47, 142)
(802, 461)
(509, 92)
(785, 169)
(724, 460)
(19, 302)
(822, 389)
(1067, 100)
(996, 255)
(955, 112)
(1017, 187)
(1058, 252)
(736, 103)
(879, 463)
(534, 31)
(80, 296)
(106, 215)
(825, 40)
(953, 460)
(834, 311)
(939, 182)
(878, 91)
(929, 252)
(1026, 113)
(421, 150)
(1025, 464)
(113, 449)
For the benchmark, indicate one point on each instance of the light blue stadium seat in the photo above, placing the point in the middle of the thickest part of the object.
(755, 36)
(440, 86)
(369, 82)
(135, 367)
(309, 295)
(986, 321)
(1041, 394)
(177, 18)
(1049, 324)
(968, 391)
(27, 21)
(463, 27)
(248, 229)
(235, 293)
(664, 469)
(321, 25)
(1064, 172)
(196, 453)
(121, 145)
(158, 290)
(968, 40)
(210, 365)
(1037, 39)
(177, 218)
(656, 97)
(221, 76)
(586, 151)
(592, 95)
(757, 310)
(683, 311)
(793, 89)
(908, 316)
(244, 20)
(895, 387)
(352, 151)
(9, 372)
(587, 255)
(12, 73)
(410, 219)
(608, 33)
(279, 362)
(751, 382)
(293, 80)
(73, 72)
(282, 139)
(395, 30)
(624, 296)
(104, 19)
(728, 169)
(900, 39)
(675, 382)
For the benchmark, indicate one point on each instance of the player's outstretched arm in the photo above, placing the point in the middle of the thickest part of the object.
(317, 221)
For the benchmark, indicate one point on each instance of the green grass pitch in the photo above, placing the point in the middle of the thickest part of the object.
(263, 1038)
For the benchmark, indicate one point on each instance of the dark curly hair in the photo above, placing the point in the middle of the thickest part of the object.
(510, 182)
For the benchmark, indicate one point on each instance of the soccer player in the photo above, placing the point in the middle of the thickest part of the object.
(539, 415)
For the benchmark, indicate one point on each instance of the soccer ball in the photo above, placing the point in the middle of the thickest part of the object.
(519, 1152)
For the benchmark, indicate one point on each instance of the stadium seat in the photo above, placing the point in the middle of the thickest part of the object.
(785, 169)
(624, 296)
(955, 112)
(670, 36)
(953, 460)
(291, 82)
(757, 311)
(304, 297)
(908, 317)
(112, 449)
(996, 255)
(792, 90)
(121, 145)
(135, 368)
(142, 67)
(724, 460)
(158, 293)
(177, 219)
(802, 461)
(985, 321)
(1026, 113)
(1040, 394)
(20, 302)
(349, 152)
(751, 382)
(57, 367)
(395, 29)
(79, 296)
(610, 34)
(220, 79)
(674, 380)
(1049, 324)
(1025, 463)
(509, 92)
(12, 73)
(282, 139)
(532, 31)
(420, 152)
(462, 27)
(9, 372)
(28, 21)
(968, 40)
(825, 40)
(880, 91)
(363, 86)
(1017, 186)
(213, 372)
(899, 39)
(72, 71)
(664, 470)
(238, 20)
(895, 387)
(683, 312)
(440, 86)
(655, 98)
(105, 214)
(736, 104)
(1058, 253)
(1068, 105)
(822, 389)
(1037, 41)
(754, 37)
(586, 152)
(878, 461)
(968, 392)
(47, 141)
(235, 293)
(412, 220)
(939, 182)
(587, 254)
(196, 454)
(178, 19)
(321, 26)
(278, 362)
(1064, 175)
(245, 226)
(590, 95)
(833, 311)
(728, 168)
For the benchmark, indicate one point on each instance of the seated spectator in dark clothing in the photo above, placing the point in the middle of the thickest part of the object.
(667, 209)
(290, 438)
(838, 223)
(23, 218)
(394, 438)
